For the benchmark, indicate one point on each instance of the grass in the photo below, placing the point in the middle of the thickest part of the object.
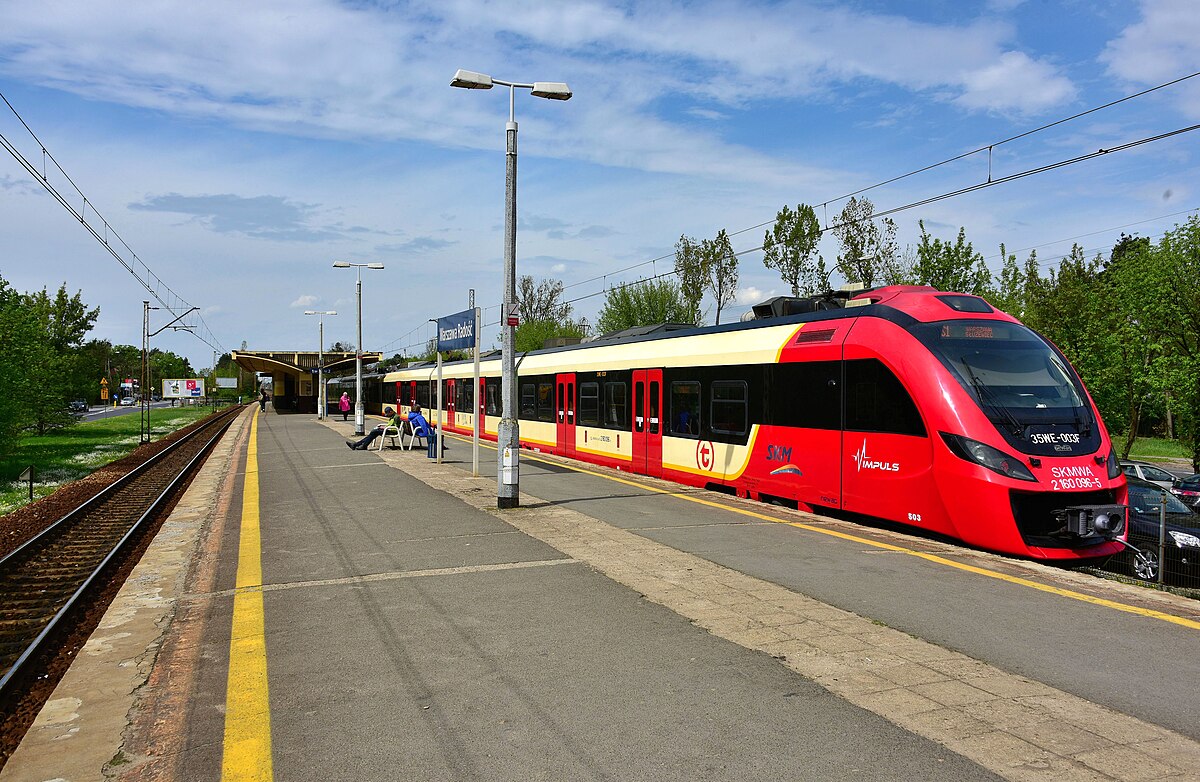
(1154, 448)
(70, 454)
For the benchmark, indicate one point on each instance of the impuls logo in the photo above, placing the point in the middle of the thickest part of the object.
(865, 462)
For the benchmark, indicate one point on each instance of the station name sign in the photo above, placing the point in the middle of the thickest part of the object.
(457, 331)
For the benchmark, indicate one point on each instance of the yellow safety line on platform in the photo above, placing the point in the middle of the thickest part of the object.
(1129, 609)
(247, 710)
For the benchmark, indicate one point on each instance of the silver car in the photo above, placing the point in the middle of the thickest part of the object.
(1148, 472)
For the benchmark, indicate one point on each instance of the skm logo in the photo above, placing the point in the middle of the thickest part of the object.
(865, 462)
(779, 453)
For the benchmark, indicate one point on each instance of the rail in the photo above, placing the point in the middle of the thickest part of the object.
(44, 581)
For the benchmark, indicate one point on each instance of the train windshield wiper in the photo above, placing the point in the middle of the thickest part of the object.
(1083, 423)
(988, 398)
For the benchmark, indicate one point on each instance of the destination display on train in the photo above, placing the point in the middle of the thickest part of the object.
(974, 331)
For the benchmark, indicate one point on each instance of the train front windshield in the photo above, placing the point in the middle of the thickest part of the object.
(1022, 384)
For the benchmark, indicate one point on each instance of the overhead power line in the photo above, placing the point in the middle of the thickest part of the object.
(105, 234)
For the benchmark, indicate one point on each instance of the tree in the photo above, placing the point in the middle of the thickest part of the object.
(692, 270)
(19, 335)
(52, 375)
(1168, 279)
(532, 334)
(643, 304)
(865, 249)
(951, 267)
(722, 267)
(541, 302)
(789, 246)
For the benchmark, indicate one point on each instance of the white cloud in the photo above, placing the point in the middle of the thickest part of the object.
(1014, 81)
(1163, 46)
(307, 300)
(752, 295)
(323, 69)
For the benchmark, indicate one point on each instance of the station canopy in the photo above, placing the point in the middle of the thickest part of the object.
(298, 362)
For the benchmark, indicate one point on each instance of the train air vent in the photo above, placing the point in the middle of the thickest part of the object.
(815, 335)
(966, 304)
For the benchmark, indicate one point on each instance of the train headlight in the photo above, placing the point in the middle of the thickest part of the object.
(986, 456)
(1114, 466)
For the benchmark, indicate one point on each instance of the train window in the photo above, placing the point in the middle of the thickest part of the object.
(876, 401)
(545, 401)
(639, 406)
(589, 404)
(806, 394)
(529, 401)
(727, 407)
(616, 406)
(423, 395)
(685, 408)
(655, 399)
(466, 396)
(492, 386)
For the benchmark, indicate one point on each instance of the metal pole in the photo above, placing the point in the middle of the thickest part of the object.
(1162, 534)
(441, 415)
(478, 396)
(143, 408)
(321, 368)
(508, 435)
(358, 400)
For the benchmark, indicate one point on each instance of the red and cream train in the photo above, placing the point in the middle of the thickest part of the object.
(930, 409)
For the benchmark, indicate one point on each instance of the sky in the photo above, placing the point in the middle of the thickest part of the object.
(229, 152)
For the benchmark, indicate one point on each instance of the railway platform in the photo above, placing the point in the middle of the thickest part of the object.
(311, 612)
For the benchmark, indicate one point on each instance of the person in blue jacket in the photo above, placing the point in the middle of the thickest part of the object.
(422, 428)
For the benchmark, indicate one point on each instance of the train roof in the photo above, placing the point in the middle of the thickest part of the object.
(900, 304)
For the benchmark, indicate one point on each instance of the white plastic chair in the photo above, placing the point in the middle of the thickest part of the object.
(413, 437)
(392, 432)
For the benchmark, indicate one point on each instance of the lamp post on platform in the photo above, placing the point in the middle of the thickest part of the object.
(358, 403)
(508, 437)
(320, 358)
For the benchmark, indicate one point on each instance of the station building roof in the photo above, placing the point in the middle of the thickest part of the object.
(297, 361)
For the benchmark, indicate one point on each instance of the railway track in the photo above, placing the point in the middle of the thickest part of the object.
(52, 581)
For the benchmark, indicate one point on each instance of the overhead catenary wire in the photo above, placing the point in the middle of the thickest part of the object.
(987, 147)
(154, 285)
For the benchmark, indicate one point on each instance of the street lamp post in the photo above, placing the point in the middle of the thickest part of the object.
(320, 358)
(508, 434)
(358, 403)
(144, 382)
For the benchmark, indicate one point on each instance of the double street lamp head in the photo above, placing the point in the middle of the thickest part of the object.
(320, 312)
(470, 80)
(347, 265)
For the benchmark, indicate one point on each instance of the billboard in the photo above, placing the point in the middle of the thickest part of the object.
(457, 331)
(189, 388)
(227, 382)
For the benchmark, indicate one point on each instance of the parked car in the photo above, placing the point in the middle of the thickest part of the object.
(1181, 553)
(78, 406)
(1148, 472)
(1188, 491)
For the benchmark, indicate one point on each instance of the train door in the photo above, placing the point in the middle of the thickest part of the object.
(647, 421)
(450, 403)
(564, 413)
(886, 451)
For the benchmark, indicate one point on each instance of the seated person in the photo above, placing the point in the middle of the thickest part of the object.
(365, 443)
(417, 421)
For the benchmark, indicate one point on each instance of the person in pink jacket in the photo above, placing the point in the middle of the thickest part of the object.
(344, 405)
